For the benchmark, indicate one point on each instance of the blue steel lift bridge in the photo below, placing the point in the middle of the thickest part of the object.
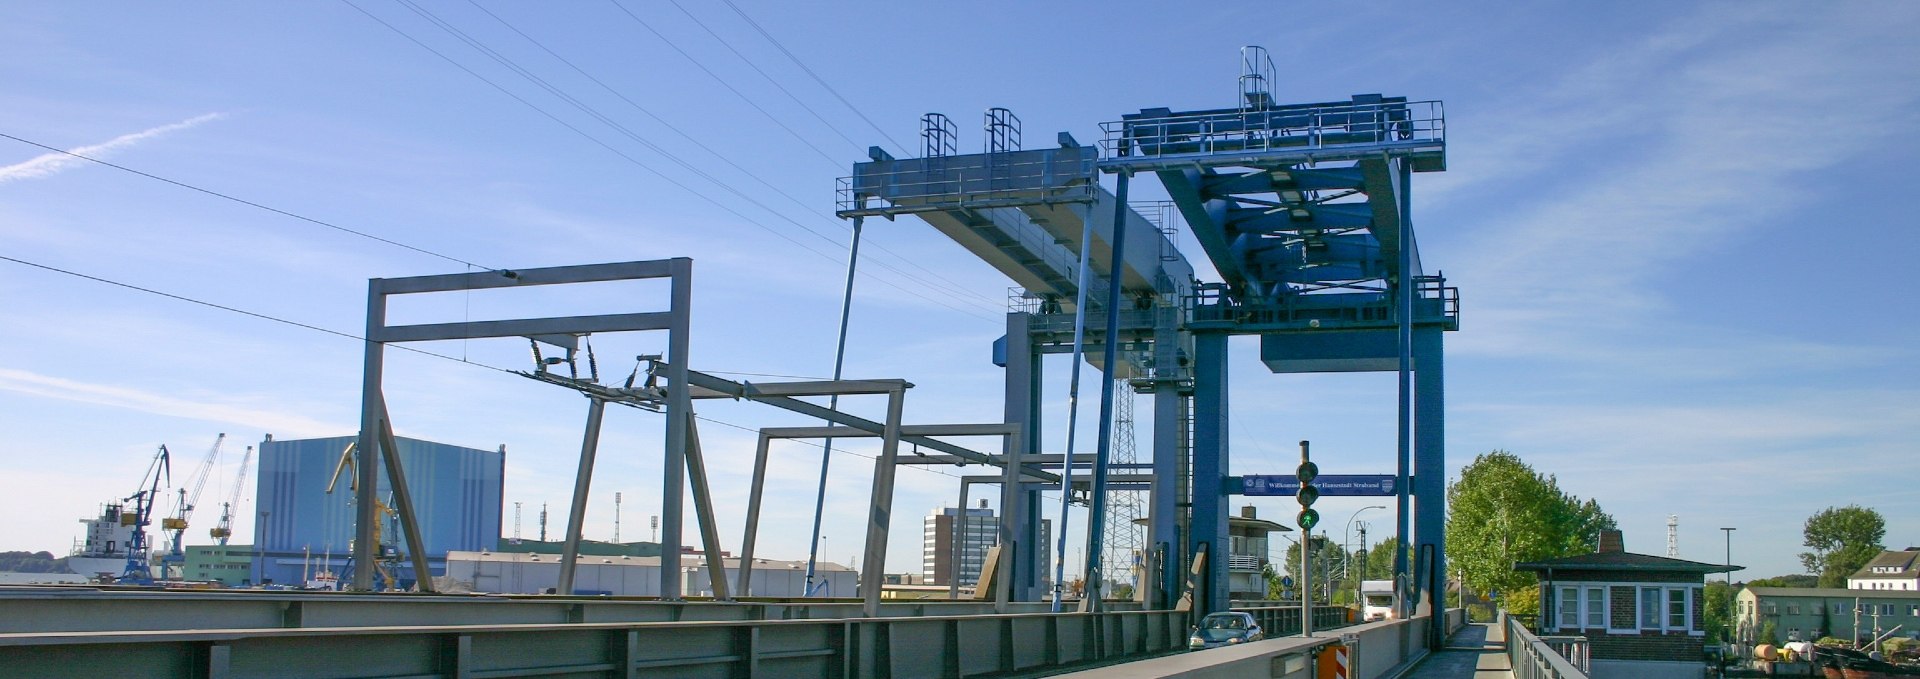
(1028, 213)
(1304, 210)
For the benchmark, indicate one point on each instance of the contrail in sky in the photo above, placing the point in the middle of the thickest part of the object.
(46, 164)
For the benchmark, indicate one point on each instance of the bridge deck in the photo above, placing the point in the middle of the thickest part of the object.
(1477, 651)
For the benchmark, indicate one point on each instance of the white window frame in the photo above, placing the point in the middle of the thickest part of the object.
(1564, 595)
(1658, 611)
(1686, 608)
(1584, 608)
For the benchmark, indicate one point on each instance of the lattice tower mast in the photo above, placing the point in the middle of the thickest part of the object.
(1122, 535)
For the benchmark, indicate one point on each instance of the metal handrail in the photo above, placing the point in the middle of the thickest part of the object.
(939, 183)
(1296, 128)
(1532, 658)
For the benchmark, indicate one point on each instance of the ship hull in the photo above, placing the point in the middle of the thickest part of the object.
(96, 565)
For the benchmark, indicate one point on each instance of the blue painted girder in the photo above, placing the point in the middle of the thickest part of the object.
(1262, 230)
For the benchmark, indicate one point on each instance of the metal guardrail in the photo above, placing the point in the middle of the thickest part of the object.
(948, 646)
(60, 609)
(1284, 620)
(1534, 658)
(1212, 305)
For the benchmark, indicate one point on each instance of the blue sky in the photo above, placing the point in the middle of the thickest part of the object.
(1680, 231)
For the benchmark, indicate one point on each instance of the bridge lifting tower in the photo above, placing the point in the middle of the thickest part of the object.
(1305, 212)
(1029, 213)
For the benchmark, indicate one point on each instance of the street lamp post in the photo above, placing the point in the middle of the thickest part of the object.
(1729, 564)
(1347, 535)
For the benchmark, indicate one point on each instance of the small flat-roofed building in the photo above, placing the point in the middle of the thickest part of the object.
(1643, 616)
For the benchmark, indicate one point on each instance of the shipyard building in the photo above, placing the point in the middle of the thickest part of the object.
(302, 528)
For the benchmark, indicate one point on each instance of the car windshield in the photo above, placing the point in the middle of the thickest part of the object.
(1222, 627)
(1224, 622)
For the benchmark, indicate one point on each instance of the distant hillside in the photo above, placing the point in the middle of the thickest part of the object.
(1799, 580)
(32, 562)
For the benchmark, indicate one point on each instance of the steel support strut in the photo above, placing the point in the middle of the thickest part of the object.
(1073, 402)
(367, 471)
(403, 503)
(1209, 523)
(1404, 292)
(582, 483)
(833, 403)
(880, 510)
(1097, 512)
(1429, 464)
(679, 413)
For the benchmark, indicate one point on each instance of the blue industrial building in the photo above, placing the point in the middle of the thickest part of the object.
(456, 493)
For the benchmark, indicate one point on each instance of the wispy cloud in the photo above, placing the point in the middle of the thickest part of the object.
(50, 163)
(36, 384)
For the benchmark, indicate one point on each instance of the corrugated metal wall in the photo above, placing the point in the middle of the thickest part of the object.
(457, 492)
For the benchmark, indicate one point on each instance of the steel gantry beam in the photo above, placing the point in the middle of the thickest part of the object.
(873, 577)
(374, 419)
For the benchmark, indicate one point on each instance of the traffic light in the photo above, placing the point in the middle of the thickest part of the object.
(1307, 472)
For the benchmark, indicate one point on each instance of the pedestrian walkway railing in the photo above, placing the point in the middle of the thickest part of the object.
(1534, 658)
(1574, 648)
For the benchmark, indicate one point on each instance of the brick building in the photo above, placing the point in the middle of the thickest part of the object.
(1642, 615)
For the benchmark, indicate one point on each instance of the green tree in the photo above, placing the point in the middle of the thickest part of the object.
(1718, 610)
(1501, 512)
(1327, 558)
(1842, 541)
(1379, 560)
(1795, 580)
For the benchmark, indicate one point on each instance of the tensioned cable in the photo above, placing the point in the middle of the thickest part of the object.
(950, 285)
(763, 74)
(237, 310)
(351, 336)
(816, 77)
(595, 113)
(723, 82)
(250, 203)
(625, 156)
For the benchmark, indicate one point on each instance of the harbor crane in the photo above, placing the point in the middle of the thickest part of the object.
(176, 525)
(138, 571)
(225, 529)
(385, 556)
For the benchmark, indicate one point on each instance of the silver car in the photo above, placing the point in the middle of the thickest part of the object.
(1224, 629)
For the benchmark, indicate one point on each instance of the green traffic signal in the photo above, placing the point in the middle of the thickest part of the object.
(1308, 519)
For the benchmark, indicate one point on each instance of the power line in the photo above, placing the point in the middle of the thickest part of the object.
(344, 334)
(250, 203)
(348, 335)
(723, 81)
(763, 74)
(950, 287)
(902, 148)
(243, 312)
(623, 155)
